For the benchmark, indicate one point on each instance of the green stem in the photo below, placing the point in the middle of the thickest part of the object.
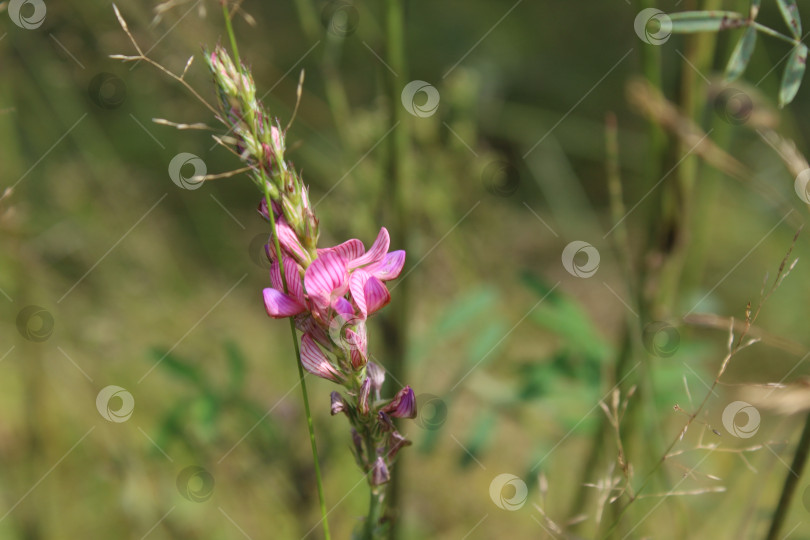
(277, 246)
(396, 326)
(773, 33)
(791, 480)
(375, 507)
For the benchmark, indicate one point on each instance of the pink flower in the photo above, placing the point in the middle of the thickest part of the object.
(403, 405)
(315, 361)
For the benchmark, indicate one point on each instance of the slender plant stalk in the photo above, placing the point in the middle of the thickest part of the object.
(396, 331)
(791, 480)
(294, 335)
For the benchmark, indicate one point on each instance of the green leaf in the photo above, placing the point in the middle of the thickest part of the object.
(790, 12)
(742, 54)
(687, 22)
(792, 78)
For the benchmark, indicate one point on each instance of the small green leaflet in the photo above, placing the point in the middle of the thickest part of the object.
(792, 78)
(790, 12)
(686, 22)
(742, 54)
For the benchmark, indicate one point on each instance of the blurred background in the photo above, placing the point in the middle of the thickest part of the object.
(584, 211)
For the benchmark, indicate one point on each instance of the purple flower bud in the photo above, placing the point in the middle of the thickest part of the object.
(403, 405)
(377, 376)
(379, 473)
(362, 399)
(338, 404)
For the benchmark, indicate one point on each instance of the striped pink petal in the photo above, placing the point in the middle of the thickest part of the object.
(308, 325)
(349, 250)
(359, 345)
(377, 295)
(315, 361)
(376, 253)
(279, 305)
(292, 272)
(388, 268)
(357, 283)
(344, 308)
(289, 240)
(326, 278)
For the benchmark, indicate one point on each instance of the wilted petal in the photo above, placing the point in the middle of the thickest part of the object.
(388, 268)
(396, 442)
(376, 374)
(292, 273)
(279, 305)
(349, 250)
(377, 251)
(326, 278)
(377, 295)
(338, 404)
(315, 361)
(362, 399)
(379, 473)
(403, 405)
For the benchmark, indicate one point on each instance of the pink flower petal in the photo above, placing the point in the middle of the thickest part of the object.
(326, 278)
(344, 308)
(377, 295)
(279, 305)
(388, 268)
(358, 345)
(292, 271)
(315, 361)
(357, 283)
(308, 325)
(349, 250)
(289, 240)
(376, 253)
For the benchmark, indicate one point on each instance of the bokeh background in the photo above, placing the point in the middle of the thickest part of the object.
(139, 284)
